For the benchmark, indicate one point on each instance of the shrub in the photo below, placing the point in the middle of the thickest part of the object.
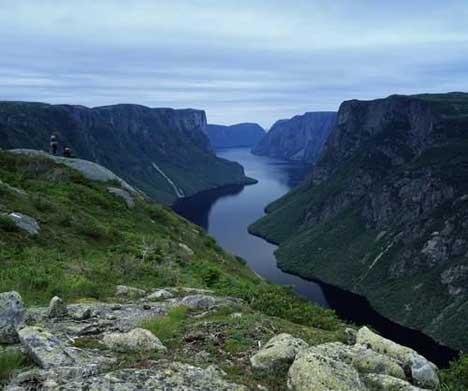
(7, 224)
(455, 378)
(10, 361)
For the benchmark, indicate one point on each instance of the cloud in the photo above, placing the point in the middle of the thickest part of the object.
(239, 60)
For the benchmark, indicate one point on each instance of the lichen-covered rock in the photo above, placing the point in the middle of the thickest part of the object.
(160, 294)
(136, 340)
(46, 349)
(315, 369)
(128, 292)
(173, 376)
(57, 308)
(277, 352)
(368, 361)
(423, 372)
(11, 316)
(375, 382)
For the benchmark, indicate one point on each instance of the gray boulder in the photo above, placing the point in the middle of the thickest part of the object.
(128, 292)
(47, 350)
(11, 316)
(376, 382)
(124, 194)
(423, 372)
(318, 370)
(25, 222)
(160, 294)
(278, 352)
(57, 308)
(137, 340)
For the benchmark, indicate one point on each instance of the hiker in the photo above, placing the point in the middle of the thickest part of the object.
(53, 145)
(67, 152)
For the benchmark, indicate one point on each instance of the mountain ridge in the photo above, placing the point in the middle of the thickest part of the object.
(128, 139)
(244, 134)
(299, 138)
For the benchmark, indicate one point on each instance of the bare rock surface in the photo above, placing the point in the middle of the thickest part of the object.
(136, 340)
(278, 351)
(11, 316)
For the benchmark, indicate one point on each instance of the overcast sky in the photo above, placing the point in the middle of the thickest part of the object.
(252, 60)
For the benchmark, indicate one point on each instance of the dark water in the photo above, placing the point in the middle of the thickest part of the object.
(226, 214)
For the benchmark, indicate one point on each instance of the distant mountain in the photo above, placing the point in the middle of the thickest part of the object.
(299, 138)
(164, 152)
(385, 212)
(239, 135)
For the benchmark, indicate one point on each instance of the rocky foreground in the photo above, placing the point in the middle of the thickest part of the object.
(109, 346)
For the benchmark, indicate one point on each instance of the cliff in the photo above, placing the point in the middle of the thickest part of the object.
(299, 138)
(163, 152)
(239, 135)
(384, 211)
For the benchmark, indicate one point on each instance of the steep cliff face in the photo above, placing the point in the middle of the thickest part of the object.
(299, 138)
(239, 135)
(164, 152)
(384, 212)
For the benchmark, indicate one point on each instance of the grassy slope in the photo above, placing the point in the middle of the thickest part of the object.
(90, 241)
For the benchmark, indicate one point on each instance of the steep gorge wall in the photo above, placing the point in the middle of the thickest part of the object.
(384, 212)
(127, 139)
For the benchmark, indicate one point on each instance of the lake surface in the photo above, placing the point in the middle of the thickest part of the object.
(226, 214)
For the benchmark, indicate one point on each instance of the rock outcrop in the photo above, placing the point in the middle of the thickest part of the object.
(159, 151)
(384, 212)
(23, 222)
(62, 363)
(239, 135)
(279, 351)
(372, 363)
(11, 316)
(136, 340)
(299, 138)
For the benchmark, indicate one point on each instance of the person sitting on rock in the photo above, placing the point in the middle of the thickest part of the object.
(53, 145)
(67, 152)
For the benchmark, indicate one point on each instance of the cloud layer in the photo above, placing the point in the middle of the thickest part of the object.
(254, 60)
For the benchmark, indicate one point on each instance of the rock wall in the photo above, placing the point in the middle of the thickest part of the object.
(239, 135)
(127, 139)
(299, 138)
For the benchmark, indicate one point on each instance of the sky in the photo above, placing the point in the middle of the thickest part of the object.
(241, 61)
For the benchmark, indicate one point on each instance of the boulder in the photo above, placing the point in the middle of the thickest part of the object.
(129, 292)
(199, 301)
(57, 308)
(25, 222)
(318, 370)
(278, 352)
(124, 194)
(377, 382)
(136, 340)
(367, 361)
(160, 294)
(423, 372)
(45, 349)
(11, 316)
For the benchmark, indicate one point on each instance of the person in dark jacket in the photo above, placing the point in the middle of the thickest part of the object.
(53, 145)
(67, 152)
